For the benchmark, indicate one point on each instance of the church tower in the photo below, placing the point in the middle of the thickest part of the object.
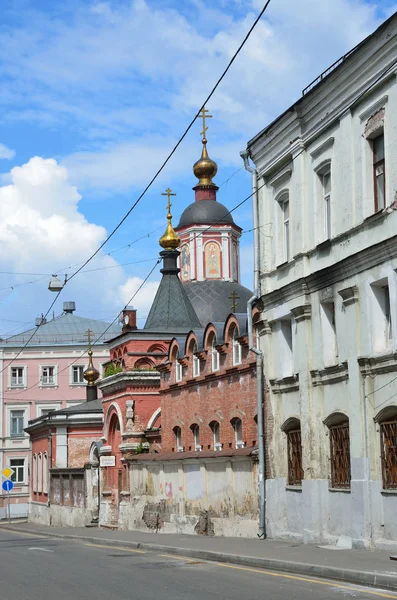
(210, 246)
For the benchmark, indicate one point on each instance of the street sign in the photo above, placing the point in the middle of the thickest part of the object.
(7, 485)
(107, 461)
(7, 472)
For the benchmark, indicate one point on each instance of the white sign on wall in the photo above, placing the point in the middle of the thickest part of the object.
(107, 461)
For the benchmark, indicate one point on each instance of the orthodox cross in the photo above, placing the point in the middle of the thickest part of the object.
(88, 335)
(168, 193)
(203, 115)
(235, 298)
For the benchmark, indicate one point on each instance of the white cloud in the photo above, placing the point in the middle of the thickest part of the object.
(42, 231)
(6, 153)
(144, 298)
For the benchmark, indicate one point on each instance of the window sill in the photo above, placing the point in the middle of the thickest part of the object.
(20, 436)
(324, 245)
(283, 265)
(77, 384)
(293, 488)
(389, 492)
(340, 490)
(17, 387)
(380, 214)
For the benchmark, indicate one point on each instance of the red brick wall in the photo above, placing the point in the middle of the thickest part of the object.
(153, 347)
(40, 445)
(212, 396)
(79, 444)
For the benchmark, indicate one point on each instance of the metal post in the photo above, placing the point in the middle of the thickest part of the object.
(9, 506)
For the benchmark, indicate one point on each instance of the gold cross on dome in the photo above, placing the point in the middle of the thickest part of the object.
(203, 115)
(235, 298)
(89, 334)
(168, 193)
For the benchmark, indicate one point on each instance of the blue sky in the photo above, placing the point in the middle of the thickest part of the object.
(93, 95)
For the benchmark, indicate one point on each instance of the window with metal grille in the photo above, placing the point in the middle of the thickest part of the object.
(295, 471)
(388, 432)
(340, 455)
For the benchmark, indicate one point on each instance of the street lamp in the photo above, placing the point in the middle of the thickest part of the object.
(55, 284)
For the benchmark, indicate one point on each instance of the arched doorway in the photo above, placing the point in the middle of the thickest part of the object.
(114, 474)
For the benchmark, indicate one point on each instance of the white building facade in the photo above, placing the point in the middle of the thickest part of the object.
(325, 194)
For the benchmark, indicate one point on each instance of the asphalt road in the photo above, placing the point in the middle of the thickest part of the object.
(38, 568)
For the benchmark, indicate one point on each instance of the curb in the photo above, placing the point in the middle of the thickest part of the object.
(366, 578)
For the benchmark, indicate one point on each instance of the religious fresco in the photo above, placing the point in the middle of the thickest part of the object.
(212, 260)
(234, 262)
(185, 262)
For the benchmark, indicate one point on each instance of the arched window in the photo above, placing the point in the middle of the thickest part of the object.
(40, 473)
(214, 354)
(292, 429)
(339, 437)
(196, 436)
(216, 435)
(178, 439)
(238, 432)
(34, 473)
(236, 348)
(196, 362)
(178, 368)
(45, 473)
(387, 420)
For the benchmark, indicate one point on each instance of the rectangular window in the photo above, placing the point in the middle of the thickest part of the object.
(286, 347)
(382, 323)
(17, 423)
(77, 374)
(286, 232)
(378, 150)
(17, 376)
(388, 432)
(326, 191)
(340, 455)
(178, 371)
(295, 471)
(18, 465)
(48, 376)
(328, 327)
(196, 366)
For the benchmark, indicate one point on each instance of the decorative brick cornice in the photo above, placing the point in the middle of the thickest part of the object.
(332, 374)
(376, 365)
(349, 295)
(119, 381)
(285, 384)
(301, 313)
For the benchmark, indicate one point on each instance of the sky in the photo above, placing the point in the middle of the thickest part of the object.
(94, 95)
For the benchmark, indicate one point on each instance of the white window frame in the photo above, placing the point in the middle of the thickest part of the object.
(54, 376)
(326, 197)
(178, 369)
(196, 362)
(286, 228)
(75, 383)
(34, 473)
(214, 355)
(178, 439)
(196, 437)
(40, 407)
(237, 350)
(19, 410)
(15, 469)
(22, 384)
(45, 473)
(238, 432)
(216, 435)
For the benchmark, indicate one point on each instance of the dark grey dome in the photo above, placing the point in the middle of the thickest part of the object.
(210, 299)
(205, 212)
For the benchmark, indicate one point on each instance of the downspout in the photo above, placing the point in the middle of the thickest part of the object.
(259, 355)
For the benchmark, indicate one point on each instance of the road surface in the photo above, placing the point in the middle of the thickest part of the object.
(42, 568)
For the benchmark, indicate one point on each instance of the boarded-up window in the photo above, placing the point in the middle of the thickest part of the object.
(389, 453)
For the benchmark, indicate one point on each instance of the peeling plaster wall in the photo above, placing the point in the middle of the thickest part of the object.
(204, 497)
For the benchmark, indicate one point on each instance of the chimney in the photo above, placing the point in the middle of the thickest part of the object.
(128, 318)
(69, 307)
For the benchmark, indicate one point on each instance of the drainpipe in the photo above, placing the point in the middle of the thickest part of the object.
(259, 355)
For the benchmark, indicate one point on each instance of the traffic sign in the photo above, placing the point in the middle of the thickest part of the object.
(7, 472)
(7, 485)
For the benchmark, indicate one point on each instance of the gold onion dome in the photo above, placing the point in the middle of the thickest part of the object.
(205, 168)
(91, 374)
(170, 240)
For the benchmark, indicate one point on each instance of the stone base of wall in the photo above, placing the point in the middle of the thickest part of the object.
(361, 517)
(39, 513)
(58, 516)
(18, 511)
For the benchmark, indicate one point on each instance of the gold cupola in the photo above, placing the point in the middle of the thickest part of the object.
(205, 168)
(91, 374)
(170, 240)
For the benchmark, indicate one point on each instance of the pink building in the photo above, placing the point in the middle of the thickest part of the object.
(46, 376)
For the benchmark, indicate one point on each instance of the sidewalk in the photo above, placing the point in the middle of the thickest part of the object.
(363, 567)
